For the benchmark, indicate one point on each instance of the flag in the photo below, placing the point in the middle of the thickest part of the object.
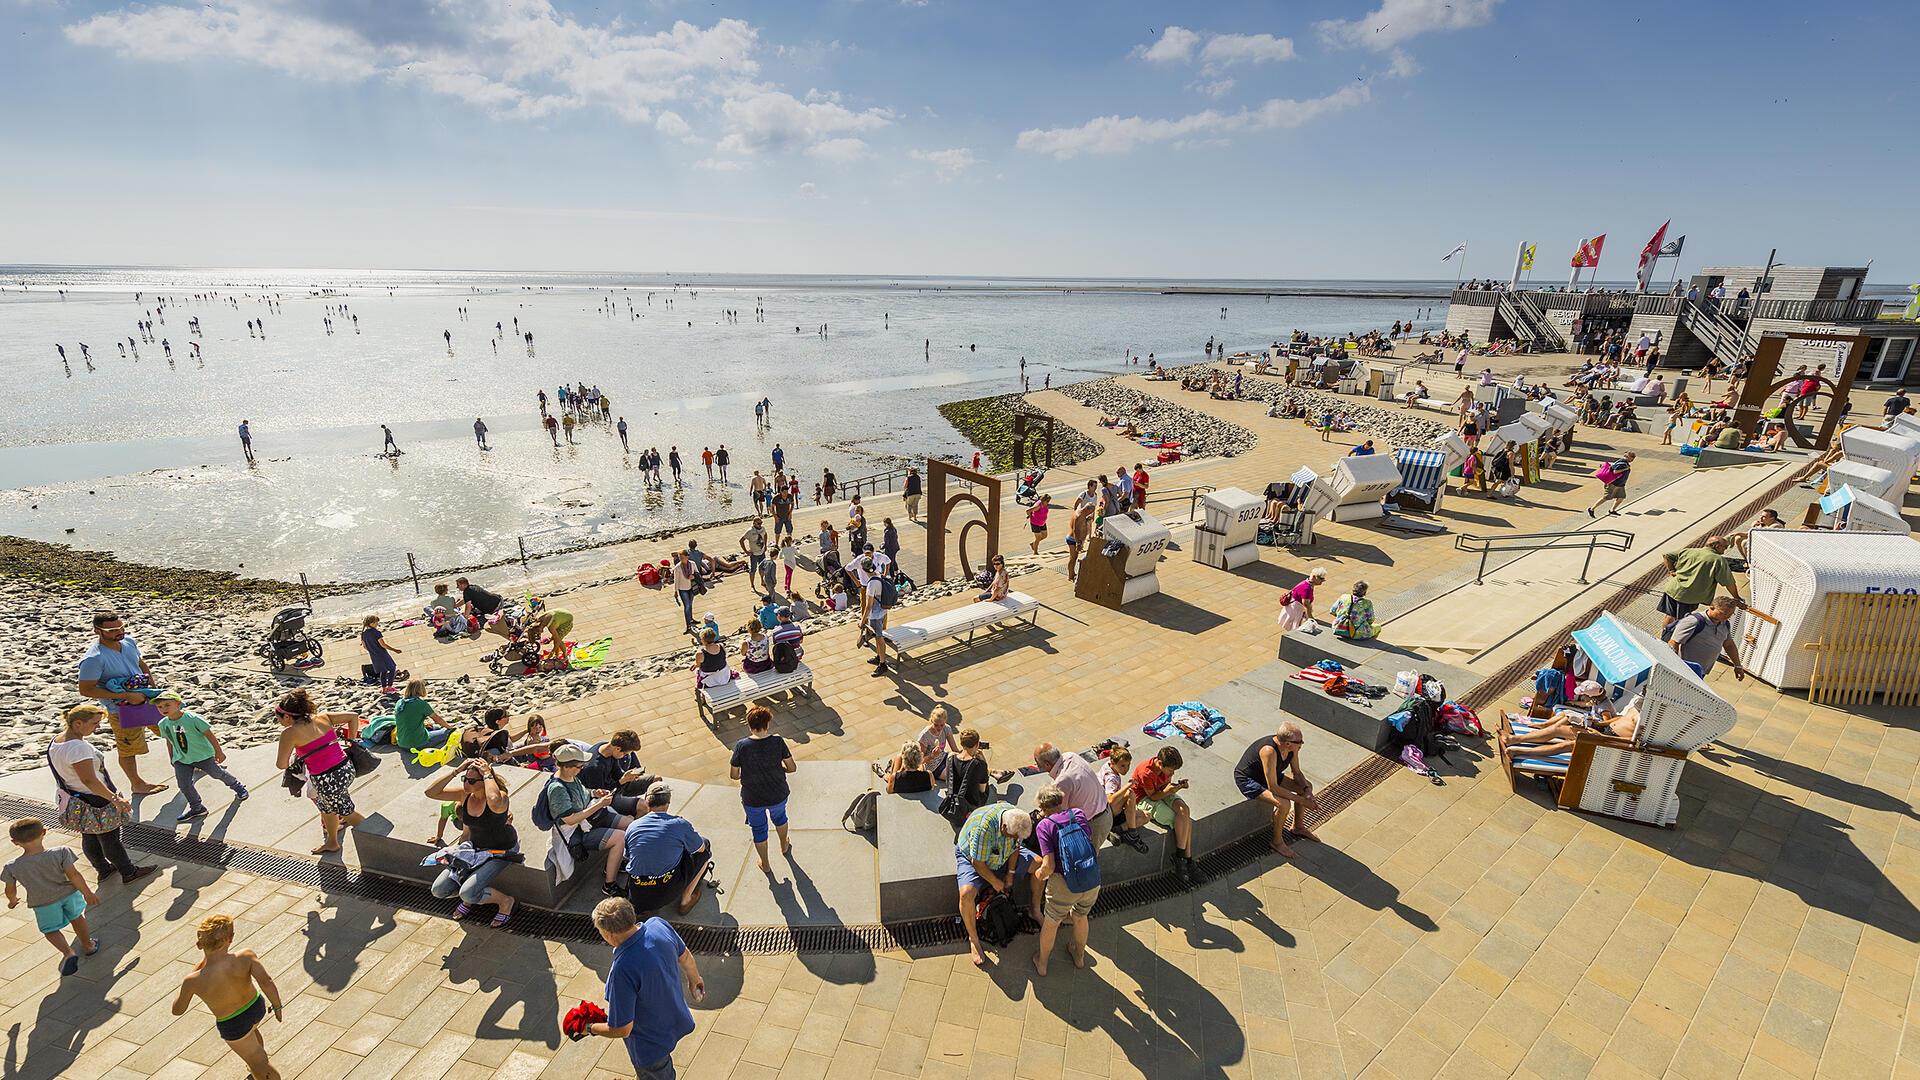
(1526, 256)
(1648, 254)
(1672, 247)
(1459, 249)
(1589, 253)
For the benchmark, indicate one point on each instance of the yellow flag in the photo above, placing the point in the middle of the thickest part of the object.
(1526, 259)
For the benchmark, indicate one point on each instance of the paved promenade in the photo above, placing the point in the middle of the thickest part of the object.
(1454, 930)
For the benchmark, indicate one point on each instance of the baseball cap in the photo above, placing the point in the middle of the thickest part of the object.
(167, 695)
(569, 755)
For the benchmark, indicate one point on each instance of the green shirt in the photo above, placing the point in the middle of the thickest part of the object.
(187, 738)
(1697, 572)
(410, 723)
(566, 798)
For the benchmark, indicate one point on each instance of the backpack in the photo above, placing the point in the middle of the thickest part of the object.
(889, 592)
(998, 920)
(543, 810)
(1079, 863)
(862, 813)
(784, 658)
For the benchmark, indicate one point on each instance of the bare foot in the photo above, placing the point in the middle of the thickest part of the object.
(1284, 850)
(1300, 833)
(1040, 965)
(149, 789)
(765, 868)
(1079, 956)
(324, 849)
(979, 958)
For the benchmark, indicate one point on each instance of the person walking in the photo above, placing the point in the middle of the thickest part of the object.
(651, 979)
(761, 762)
(1694, 576)
(673, 462)
(387, 445)
(683, 586)
(57, 894)
(566, 426)
(480, 433)
(621, 427)
(1037, 520)
(721, 459)
(238, 990)
(309, 737)
(194, 748)
(1613, 481)
(910, 494)
(782, 502)
(246, 440)
(87, 800)
(706, 458)
(110, 671)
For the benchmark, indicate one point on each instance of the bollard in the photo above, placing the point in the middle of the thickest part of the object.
(305, 595)
(523, 552)
(413, 571)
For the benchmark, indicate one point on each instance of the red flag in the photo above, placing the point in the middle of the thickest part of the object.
(1648, 254)
(1589, 253)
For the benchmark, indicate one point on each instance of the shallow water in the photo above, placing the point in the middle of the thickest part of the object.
(140, 457)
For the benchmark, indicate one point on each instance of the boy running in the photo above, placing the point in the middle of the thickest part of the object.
(56, 892)
(226, 982)
(194, 748)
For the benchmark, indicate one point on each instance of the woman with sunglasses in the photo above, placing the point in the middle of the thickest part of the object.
(480, 809)
(315, 740)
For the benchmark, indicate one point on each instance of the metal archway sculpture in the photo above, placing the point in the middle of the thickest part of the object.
(1027, 428)
(1760, 385)
(941, 506)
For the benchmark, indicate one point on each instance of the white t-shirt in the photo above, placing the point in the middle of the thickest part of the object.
(66, 754)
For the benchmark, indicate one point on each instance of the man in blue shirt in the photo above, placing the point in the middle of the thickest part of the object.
(113, 656)
(664, 855)
(648, 984)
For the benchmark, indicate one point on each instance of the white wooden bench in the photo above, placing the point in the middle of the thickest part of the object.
(962, 622)
(746, 689)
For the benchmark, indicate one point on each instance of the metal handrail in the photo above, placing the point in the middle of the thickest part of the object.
(1191, 494)
(1611, 539)
(870, 485)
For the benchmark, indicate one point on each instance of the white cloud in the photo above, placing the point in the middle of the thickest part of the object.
(1212, 87)
(768, 119)
(845, 149)
(809, 191)
(521, 58)
(1175, 45)
(1396, 22)
(947, 163)
(723, 165)
(1178, 45)
(1121, 134)
(1401, 66)
(1224, 50)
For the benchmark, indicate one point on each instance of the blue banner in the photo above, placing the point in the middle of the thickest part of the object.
(1616, 657)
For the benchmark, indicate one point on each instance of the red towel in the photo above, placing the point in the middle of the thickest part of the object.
(578, 1017)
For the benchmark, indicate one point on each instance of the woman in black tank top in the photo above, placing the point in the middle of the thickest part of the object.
(481, 808)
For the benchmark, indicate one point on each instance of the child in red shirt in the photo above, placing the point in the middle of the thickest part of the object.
(1158, 795)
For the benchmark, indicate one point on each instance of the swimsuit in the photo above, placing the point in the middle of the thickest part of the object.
(235, 1025)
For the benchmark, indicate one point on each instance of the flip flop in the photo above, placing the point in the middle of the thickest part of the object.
(500, 919)
(462, 909)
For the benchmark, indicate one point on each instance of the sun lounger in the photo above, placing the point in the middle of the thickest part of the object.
(962, 623)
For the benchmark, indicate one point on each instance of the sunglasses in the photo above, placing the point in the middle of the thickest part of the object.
(472, 778)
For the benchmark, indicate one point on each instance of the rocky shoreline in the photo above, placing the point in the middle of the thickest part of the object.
(1199, 435)
(203, 647)
(1401, 427)
(988, 424)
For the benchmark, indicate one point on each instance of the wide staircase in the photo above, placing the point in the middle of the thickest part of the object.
(1529, 323)
(1720, 333)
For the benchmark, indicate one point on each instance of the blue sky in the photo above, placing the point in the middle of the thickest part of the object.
(1314, 139)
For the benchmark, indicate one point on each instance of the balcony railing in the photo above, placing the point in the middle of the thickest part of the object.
(1827, 311)
(1475, 297)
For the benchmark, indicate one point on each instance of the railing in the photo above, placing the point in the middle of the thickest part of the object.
(1191, 494)
(1560, 301)
(1721, 335)
(1611, 539)
(1529, 321)
(1832, 311)
(870, 485)
(1657, 305)
(1475, 297)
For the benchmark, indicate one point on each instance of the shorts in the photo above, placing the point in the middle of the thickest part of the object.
(1677, 609)
(1062, 903)
(656, 892)
(757, 817)
(1023, 857)
(333, 790)
(60, 913)
(1039, 530)
(878, 617)
(595, 836)
(236, 1026)
(129, 741)
(1160, 810)
(1252, 789)
(1616, 491)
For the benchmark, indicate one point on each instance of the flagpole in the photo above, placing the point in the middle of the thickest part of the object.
(1459, 268)
(1519, 256)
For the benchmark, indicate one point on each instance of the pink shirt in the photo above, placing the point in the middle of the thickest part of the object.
(1303, 592)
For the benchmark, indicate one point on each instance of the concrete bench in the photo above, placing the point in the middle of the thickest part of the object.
(1714, 457)
(916, 857)
(961, 622)
(398, 834)
(747, 688)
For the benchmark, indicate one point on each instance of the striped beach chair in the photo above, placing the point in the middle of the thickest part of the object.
(1423, 474)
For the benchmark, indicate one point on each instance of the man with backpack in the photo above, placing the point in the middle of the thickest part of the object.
(987, 855)
(880, 595)
(1069, 871)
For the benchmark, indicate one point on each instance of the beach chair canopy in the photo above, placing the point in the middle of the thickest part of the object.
(1678, 710)
(1421, 471)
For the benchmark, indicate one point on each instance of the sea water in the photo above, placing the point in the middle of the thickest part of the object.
(140, 457)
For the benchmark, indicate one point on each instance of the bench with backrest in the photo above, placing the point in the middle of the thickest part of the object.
(745, 689)
(961, 622)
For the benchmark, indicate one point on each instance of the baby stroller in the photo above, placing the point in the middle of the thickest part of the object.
(1026, 490)
(288, 641)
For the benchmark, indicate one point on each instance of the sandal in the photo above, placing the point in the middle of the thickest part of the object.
(500, 919)
(461, 910)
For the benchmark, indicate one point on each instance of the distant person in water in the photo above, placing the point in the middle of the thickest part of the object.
(246, 440)
(480, 433)
(388, 446)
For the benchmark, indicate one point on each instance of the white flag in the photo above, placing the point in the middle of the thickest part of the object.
(1456, 251)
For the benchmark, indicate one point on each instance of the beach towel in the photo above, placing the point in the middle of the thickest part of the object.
(1191, 720)
(592, 654)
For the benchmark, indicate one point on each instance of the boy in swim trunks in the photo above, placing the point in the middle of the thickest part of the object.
(226, 982)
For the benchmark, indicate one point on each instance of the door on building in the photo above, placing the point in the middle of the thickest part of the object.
(1894, 356)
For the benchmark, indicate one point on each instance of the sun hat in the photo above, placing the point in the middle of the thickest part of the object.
(569, 755)
(1589, 688)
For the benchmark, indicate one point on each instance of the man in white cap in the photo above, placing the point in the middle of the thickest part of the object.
(989, 853)
(664, 855)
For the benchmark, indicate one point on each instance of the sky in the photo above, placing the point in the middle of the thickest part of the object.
(1313, 139)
